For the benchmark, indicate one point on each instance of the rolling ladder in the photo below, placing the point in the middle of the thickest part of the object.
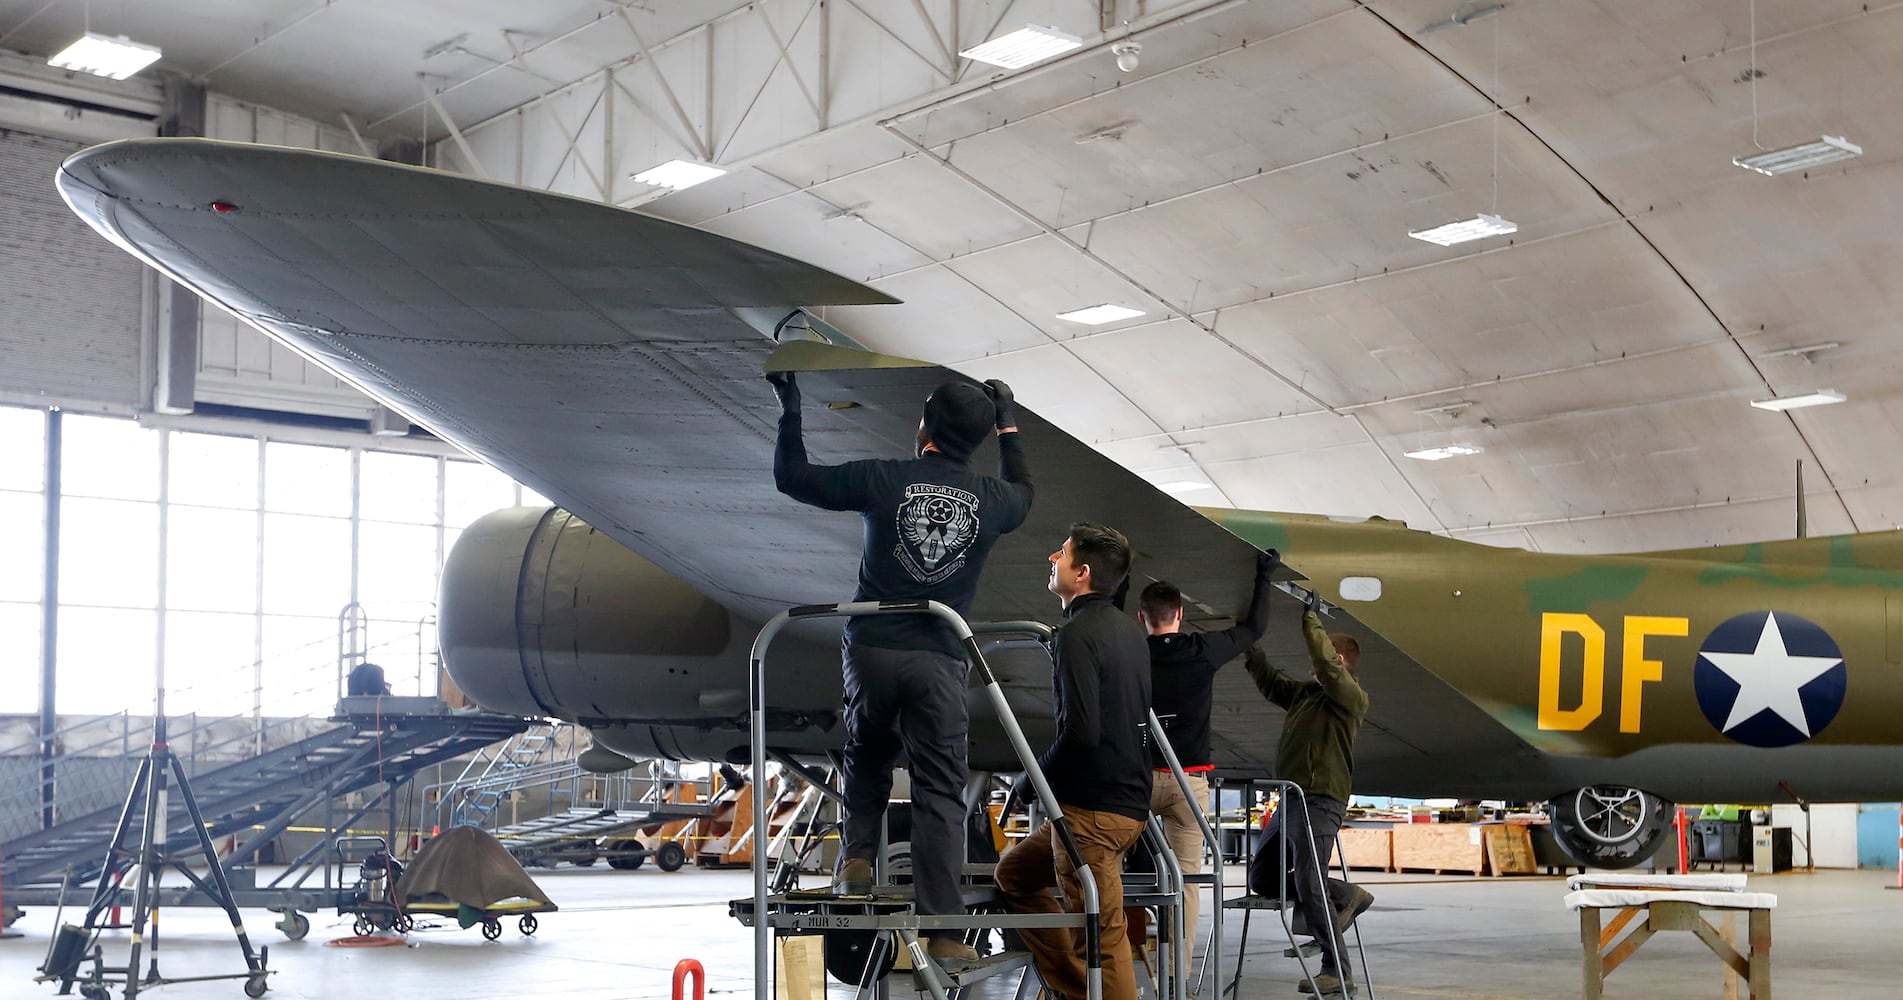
(888, 914)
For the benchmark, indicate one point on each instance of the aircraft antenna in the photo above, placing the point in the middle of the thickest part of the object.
(1803, 529)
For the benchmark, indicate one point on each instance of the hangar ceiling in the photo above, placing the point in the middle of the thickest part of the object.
(1249, 188)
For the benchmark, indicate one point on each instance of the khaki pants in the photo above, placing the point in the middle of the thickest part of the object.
(1185, 835)
(1031, 867)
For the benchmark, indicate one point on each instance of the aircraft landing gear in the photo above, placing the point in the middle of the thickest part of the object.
(1610, 826)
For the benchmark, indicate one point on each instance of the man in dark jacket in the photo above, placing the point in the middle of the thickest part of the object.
(930, 521)
(1183, 669)
(1316, 752)
(1098, 768)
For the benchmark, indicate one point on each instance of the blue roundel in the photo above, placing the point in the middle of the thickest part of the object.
(1770, 678)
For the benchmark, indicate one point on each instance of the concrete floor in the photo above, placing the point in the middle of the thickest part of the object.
(619, 935)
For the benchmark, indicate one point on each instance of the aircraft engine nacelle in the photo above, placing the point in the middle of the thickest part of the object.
(542, 615)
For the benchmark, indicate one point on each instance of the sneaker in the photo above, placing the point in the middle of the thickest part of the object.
(1325, 984)
(854, 877)
(1357, 905)
(945, 949)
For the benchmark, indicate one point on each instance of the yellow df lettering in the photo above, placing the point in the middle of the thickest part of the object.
(1637, 669)
(1553, 629)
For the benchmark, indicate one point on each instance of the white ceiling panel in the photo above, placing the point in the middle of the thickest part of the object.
(960, 324)
(1195, 379)
(1066, 391)
(939, 213)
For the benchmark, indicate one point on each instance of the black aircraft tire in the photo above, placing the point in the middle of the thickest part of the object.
(1610, 826)
(670, 857)
(847, 953)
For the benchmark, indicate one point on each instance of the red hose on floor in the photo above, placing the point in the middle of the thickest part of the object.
(366, 941)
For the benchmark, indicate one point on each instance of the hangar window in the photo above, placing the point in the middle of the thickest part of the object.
(213, 470)
(471, 489)
(398, 488)
(235, 641)
(302, 479)
(22, 553)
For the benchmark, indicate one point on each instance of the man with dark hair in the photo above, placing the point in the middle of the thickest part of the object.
(1316, 752)
(1098, 768)
(1183, 669)
(930, 521)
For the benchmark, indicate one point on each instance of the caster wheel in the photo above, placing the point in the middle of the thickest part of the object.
(492, 928)
(527, 924)
(363, 926)
(404, 923)
(255, 986)
(300, 925)
(670, 857)
(94, 992)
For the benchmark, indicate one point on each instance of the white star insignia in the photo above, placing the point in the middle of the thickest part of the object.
(1769, 677)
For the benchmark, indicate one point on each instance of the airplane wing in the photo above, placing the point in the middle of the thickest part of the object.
(613, 362)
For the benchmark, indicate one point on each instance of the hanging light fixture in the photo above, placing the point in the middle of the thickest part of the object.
(1790, 159)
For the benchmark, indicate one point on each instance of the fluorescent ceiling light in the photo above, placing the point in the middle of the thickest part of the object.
(1822, 397)
(678, 174)
(104, 55)
(1828, 149)
(1099, 315)
(1183, 486)
(1477, 228)
(1446, 451)
(1032, 43)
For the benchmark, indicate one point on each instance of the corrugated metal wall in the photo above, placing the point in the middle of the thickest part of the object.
(70, 302)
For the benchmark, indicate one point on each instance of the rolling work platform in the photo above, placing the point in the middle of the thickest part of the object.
(380, 741)
(874, 927)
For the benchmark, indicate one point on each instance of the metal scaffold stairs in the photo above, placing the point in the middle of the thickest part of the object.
(256, 798)
(503, 773)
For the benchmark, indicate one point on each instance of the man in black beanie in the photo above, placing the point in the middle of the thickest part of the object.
(930, 521)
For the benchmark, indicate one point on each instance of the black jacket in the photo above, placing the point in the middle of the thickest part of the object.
(1183, 669)
(929, 524)
(1101, 682)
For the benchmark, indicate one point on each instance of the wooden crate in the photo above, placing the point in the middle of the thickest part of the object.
(1439, 847)
(1368, 848)
(1509, 849)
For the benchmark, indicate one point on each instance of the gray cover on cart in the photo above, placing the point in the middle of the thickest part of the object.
(469, 866)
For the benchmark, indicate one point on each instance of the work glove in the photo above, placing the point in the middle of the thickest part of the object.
(1266, 563)
(1006, 403)
(1312, 601)
(786, 389)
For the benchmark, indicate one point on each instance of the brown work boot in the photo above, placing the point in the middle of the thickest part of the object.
(1358, 904)
(854, 877)
(946, 949)
(1326, 984)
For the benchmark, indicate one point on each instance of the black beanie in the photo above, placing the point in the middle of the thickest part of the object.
(958, 415)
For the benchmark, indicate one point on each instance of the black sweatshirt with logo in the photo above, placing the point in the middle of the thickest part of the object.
(929, 524)
(1101, 680)
(1183, 669)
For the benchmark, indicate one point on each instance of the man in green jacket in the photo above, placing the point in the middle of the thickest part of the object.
(1316, 752)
